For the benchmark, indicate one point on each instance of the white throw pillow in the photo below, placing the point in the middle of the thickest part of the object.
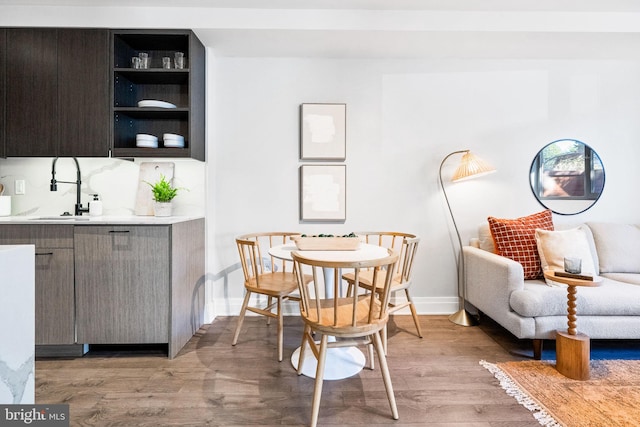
(618, 246)
(485, 239)
(554, 246)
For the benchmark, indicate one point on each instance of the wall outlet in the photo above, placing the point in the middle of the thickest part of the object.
(20, 186)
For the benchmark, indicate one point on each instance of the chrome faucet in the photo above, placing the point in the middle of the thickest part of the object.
(54, 185)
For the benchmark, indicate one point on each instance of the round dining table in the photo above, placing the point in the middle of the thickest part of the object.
(341, 362)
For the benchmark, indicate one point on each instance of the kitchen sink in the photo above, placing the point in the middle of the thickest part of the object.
(60, 218)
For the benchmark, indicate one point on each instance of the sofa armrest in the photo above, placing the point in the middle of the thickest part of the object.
(490, 280)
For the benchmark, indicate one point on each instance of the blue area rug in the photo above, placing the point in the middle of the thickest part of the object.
(601, 350)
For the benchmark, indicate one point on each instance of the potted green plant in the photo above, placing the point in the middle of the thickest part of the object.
(163, 194)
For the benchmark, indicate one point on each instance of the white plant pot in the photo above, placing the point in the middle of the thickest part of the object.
(162, 208)
(5, 205)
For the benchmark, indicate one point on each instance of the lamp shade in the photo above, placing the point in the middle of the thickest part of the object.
(471, 166)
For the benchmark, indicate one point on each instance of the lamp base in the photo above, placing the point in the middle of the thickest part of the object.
(463, 318)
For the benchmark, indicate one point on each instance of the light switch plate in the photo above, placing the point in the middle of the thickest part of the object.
(20, 186)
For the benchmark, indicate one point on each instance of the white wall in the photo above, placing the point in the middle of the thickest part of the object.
(403, 118)
(498, 91)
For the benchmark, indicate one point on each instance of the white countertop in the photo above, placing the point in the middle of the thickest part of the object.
(17, 324)
(97, 220)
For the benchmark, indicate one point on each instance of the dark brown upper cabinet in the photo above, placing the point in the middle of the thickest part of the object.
(3, 91)
(32, 92)
(57, 95)
(83, 93)
(183, 88)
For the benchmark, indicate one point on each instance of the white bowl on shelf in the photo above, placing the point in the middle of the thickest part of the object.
(146, 136)
(155, 103)
(173, 140)
(144, 140)
(173, 136)
(173, 144)
(146, 144)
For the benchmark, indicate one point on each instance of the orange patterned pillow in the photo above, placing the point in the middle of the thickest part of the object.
(515, 239)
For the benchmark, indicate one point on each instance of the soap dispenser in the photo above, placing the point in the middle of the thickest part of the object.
(95, 206)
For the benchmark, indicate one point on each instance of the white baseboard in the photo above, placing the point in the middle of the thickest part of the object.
(424, 306)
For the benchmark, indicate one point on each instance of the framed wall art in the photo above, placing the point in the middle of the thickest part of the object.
(323, 193)
(323, 131)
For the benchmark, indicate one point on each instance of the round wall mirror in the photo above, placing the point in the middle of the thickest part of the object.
(567, 176)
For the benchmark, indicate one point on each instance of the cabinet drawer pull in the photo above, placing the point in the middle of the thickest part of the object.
(118, 231)
(44, 253)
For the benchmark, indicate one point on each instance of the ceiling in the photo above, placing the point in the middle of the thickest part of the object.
(589, 29)
(506, 5)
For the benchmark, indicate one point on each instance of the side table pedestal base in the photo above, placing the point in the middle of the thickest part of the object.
(572, 355)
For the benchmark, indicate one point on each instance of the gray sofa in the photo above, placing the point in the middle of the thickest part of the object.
(531, 309)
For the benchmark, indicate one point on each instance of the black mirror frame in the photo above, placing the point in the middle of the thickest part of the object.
(534, 172)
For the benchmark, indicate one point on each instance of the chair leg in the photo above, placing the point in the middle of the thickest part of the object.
(412, 307)
(280, 329)
(303, 347)
(317, 391)
(385, 375)
(269, 300)
(384, 339)
(372, 364)
(243, 311)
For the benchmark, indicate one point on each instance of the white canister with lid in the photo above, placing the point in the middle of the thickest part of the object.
(5, 205)
(95, 206)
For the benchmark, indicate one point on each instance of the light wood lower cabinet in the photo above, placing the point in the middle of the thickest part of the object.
(107, 284)
(139, 284)
(122, 284)
(54, 296)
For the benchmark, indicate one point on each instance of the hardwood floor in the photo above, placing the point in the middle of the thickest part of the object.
(437, 381)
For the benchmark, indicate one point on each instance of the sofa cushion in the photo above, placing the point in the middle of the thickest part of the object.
(618, 247)
(515, 239)
(554, 246)
(611, 298)
(631, 278)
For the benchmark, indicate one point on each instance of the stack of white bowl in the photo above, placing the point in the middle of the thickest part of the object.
(146, 141)
(172, 140)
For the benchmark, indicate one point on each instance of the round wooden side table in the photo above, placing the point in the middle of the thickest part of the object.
(572, 347)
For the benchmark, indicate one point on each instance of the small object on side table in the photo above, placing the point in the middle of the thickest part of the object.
(572, 347)
(572, 265)
(574, 276)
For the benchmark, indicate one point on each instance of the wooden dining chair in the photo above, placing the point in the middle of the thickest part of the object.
(268, 276)
(353, 320)
(406, 245)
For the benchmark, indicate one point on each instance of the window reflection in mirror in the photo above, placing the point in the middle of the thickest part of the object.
(567, 176)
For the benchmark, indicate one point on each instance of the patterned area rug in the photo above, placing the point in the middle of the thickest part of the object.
(610, 398)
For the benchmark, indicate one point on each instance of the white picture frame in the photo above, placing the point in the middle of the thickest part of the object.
(323, 131)
(323, 193)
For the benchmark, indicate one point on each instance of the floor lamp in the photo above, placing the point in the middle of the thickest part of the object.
(470, 167)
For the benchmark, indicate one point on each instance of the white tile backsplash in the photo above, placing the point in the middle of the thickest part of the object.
(115, 180)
